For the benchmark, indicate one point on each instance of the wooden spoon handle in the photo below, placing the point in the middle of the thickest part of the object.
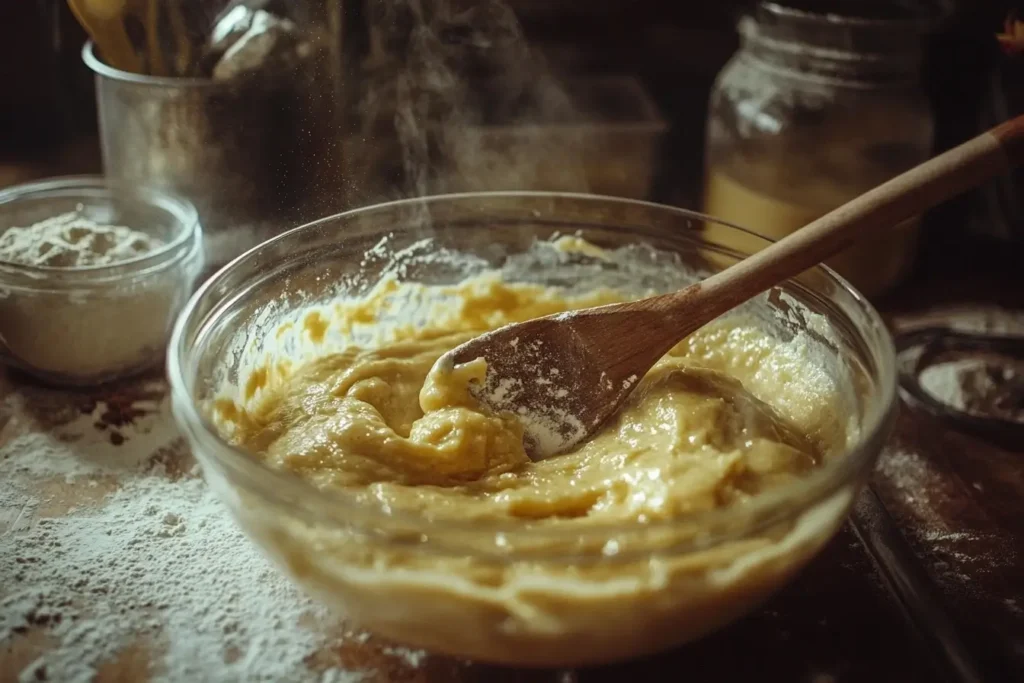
(906, 195)
(151, 21)
(108, 33)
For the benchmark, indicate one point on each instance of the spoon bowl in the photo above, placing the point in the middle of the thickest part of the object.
(565, 371)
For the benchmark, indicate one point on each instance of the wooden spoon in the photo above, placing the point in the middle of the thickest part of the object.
(565, 374)
(104, 22)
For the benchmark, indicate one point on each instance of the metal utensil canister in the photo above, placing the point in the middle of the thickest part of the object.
(252, 154)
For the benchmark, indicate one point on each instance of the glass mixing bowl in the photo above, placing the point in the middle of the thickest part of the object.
(516, 593)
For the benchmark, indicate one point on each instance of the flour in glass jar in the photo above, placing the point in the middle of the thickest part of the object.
(144, 572)
(71, 240)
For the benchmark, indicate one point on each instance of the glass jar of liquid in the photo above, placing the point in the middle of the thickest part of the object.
(813, 110)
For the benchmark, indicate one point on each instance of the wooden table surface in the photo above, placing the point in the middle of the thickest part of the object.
(925, 583)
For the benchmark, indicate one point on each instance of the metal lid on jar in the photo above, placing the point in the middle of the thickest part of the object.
(881, 13)
(857, 25)
(843, 39)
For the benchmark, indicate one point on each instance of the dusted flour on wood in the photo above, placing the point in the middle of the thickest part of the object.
(115, 556)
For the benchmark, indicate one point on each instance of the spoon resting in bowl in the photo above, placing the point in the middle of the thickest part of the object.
(564, 375)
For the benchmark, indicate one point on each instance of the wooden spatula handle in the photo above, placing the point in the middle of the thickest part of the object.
(906, 195)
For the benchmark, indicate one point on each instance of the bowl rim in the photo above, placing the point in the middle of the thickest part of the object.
(765, 509)
(91, 187)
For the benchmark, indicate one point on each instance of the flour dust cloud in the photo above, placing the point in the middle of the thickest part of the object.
(457, 100)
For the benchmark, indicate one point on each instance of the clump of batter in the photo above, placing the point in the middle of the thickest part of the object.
(377, 422)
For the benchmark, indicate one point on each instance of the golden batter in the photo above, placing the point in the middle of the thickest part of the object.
(378, 420)
(594, 557)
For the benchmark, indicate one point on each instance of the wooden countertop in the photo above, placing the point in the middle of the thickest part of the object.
(837, 622)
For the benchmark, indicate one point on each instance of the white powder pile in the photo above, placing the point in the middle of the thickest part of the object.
(942, 382)
(145, 561)
(71, 240)
(978, 387)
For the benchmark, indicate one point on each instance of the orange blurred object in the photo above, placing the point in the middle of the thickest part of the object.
(107, 22)
(1012, 37)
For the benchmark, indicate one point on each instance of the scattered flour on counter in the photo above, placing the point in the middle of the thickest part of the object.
(413, 658)
(336, 676)
(960, 559)
(946, 537)
(916, 481)
(942, 382)
(81, 445)
(148, 561)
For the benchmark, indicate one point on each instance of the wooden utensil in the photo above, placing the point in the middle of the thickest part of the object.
(103, 20)
(165, 39)
(565, 374)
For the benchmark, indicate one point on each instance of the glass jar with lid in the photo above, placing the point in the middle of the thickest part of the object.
(813, 110)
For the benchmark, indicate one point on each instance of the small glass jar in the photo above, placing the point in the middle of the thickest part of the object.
(813, 110)
(86, 325)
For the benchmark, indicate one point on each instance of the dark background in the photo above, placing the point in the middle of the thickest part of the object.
(676, 47)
